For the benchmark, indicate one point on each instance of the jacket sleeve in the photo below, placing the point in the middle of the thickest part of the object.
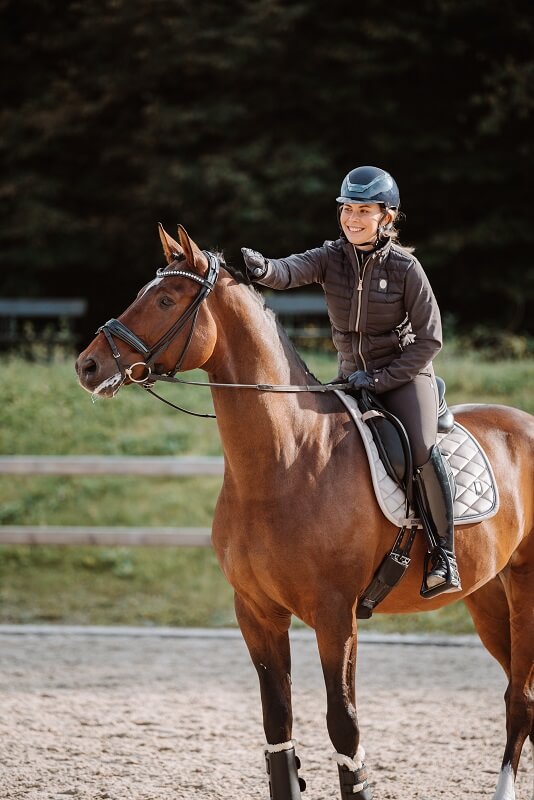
(296, 270)
(424, 316)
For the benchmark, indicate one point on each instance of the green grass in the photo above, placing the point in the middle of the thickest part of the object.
(43, 411)
(113, 586)
(144, 586)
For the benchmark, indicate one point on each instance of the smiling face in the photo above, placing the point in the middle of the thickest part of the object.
(360, 222)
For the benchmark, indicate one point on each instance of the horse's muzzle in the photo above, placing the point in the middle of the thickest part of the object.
(95, 378)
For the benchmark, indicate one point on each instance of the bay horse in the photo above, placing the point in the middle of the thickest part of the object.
(297, 529)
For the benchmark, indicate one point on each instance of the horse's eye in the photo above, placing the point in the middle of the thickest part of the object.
(165, 302)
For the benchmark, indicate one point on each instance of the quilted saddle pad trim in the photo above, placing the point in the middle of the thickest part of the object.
(392, 499)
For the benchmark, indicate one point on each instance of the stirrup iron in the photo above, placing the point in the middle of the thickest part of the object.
(451, 583)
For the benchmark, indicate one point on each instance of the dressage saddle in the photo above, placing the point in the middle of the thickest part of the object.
(390, 436)
(394, 449)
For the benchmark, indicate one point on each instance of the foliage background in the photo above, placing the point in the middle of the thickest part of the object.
(239, 120)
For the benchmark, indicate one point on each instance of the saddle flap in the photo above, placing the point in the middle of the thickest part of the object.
(390, 439)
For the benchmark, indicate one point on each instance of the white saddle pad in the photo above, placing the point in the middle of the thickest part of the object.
(477, 497)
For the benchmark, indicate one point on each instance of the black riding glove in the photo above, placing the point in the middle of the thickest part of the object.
(256, 264)
(361, 380)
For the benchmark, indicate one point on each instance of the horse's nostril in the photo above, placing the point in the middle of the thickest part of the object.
(87, 367)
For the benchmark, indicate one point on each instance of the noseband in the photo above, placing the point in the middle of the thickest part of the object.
(114, 327)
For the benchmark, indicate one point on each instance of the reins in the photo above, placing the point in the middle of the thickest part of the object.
(207, 283)
(260, 387)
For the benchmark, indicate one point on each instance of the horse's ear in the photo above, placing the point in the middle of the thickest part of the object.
(195, 257)
(171, 248)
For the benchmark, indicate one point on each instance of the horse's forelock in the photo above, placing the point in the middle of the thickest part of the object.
(178, 258)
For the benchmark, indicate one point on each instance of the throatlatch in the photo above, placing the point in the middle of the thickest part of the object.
(282, 767)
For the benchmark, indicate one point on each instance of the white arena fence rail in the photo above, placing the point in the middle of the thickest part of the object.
(167, 466)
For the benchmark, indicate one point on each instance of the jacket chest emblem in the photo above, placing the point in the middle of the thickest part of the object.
(382, 284)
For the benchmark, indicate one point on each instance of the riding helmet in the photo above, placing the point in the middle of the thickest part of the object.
(369, 185)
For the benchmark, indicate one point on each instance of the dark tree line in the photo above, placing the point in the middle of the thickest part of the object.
(239, 119)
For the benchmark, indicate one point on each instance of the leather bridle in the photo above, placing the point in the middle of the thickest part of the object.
(116, 328)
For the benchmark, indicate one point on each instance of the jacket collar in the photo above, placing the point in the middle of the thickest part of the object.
(379, 254)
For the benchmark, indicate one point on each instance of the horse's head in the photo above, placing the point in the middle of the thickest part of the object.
(167, 328)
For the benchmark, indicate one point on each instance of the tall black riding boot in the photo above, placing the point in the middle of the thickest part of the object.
(436, 505)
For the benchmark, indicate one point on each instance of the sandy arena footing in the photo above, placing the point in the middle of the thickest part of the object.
(96, 715)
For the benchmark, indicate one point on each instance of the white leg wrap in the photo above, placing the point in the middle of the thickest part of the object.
(505, 786)
(278, 748)
(354, 764)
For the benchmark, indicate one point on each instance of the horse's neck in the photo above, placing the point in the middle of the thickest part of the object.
(254, 424)
(249, 343)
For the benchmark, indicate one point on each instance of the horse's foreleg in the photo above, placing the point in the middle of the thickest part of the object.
(336, 639)
(267, 640)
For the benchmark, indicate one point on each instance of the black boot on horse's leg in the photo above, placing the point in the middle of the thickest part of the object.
(353, 776)
(436, 501)
(282, 768)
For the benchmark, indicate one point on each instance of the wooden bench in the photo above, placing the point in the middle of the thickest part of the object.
(26, 322)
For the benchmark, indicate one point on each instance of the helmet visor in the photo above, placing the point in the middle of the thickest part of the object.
(382, 183)
(376, 191)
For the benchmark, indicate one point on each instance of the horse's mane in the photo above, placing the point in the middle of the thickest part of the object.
(240, 277)
(284, 337)
(237, 274)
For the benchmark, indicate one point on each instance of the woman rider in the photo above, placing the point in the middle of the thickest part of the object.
(386, 327)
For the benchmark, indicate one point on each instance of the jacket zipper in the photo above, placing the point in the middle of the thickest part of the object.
(359, 288)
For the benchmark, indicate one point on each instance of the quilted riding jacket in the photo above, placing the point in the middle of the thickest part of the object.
(383, 313)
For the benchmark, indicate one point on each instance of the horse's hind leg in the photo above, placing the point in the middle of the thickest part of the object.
(489, 609)
(502, 613)
(518, 581)
(336, 638)
(267, 640)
